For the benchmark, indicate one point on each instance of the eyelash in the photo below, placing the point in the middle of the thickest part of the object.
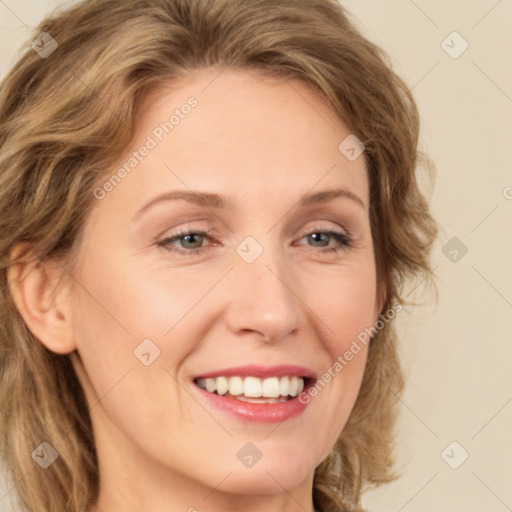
(344, 239)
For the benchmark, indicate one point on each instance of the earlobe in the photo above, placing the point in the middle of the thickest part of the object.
(42, 301)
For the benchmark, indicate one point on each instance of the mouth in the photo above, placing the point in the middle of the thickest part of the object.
(256, 390)
(254, 393)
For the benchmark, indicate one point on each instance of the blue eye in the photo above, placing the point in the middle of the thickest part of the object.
(189, 242)
(323, 238)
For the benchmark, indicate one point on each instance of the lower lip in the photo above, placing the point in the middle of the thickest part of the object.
(262, 413)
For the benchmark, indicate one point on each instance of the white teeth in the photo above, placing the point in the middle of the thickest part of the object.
(284, 384)
(236, 386)
(211, 385)
(243, 398)
(271, 387)
(254, 387)
(222, 385)
(294, 386)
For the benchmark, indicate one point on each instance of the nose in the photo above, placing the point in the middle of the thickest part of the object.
(263, 300)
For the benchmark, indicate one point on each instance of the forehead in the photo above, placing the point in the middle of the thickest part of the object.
(243, 131)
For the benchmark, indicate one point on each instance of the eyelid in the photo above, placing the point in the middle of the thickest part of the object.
(183, 233)
(318, 227)
(192, 226)
(344, 240)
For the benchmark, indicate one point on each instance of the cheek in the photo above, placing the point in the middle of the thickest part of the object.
(115, 309)
(118, 306)
(345, 304)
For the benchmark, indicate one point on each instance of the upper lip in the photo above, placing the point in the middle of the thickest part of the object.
(260, 371)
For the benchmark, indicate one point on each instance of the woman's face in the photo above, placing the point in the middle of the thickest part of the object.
(220, 252)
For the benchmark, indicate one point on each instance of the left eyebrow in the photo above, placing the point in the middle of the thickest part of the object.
(328, 195)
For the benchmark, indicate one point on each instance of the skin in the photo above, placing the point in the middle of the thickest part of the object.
(261, 143)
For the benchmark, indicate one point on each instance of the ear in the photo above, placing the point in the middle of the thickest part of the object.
(40, 290)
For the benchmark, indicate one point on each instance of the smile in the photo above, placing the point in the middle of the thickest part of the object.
(254, 389)
(256, 393)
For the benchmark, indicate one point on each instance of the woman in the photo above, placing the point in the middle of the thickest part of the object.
(208, 214)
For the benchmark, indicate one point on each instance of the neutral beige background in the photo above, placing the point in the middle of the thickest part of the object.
(457, 354)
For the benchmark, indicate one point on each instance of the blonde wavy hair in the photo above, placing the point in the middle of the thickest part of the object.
(66, 119)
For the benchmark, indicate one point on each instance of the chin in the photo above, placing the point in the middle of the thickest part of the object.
(268, 477)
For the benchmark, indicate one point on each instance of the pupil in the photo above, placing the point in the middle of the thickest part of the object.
(190, 239)
(316, 237)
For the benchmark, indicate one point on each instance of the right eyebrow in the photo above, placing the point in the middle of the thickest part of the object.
(206, 199)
